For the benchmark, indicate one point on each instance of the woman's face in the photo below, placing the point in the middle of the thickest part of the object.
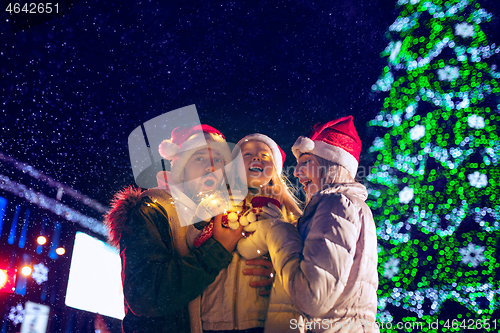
(309, 173)
(258, 164)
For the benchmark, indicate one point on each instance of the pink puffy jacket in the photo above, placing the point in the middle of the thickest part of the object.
(328, 264)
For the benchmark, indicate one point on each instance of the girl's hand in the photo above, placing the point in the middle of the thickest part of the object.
(271, 211)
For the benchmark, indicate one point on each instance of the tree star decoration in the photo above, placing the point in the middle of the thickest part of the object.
(465, 30)
(478, 179)
(448, 73)
(476, 121)
(391, 268)
(16, 314)
(406, 195)
(472, 254)
(39, 274)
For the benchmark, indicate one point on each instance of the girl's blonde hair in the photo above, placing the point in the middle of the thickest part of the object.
(278, 189)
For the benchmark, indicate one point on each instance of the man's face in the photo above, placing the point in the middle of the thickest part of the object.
(203, 172)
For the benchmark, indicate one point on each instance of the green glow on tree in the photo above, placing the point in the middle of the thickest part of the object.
(434, 190)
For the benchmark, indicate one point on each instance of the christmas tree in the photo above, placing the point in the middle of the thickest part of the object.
(434, 190)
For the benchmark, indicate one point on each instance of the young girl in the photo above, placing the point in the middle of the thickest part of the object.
(230, 304)
(329, 265)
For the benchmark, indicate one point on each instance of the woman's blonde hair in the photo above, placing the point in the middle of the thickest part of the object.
(332, 173)
(279, 188)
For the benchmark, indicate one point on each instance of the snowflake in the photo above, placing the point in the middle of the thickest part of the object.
(391, 268)
(478, 179)
(476, 121)
(465, 30)
(417, 132)
(16, 314)
(472, 254)
(40, 272)
(448, 73)
(406, 195)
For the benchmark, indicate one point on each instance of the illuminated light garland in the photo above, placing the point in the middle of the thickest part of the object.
(52, 205)
(30, 170)
(415, 299)
(435, 186)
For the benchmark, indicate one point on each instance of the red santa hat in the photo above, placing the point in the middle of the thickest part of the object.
(184, 142)
(278, 153)
(336, 141)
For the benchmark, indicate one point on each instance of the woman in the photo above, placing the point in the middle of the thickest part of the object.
(328, 265)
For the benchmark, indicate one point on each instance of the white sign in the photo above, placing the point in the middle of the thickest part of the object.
(94, 282)
(36, 318)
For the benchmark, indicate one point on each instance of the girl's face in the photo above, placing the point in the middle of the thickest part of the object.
(258, 164)
(308, 171)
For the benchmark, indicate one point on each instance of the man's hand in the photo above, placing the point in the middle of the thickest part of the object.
(266, 270)
(227, 237)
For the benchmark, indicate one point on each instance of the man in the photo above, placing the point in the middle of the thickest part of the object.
(160, 275)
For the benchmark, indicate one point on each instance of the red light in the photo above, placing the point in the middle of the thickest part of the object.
(7, 280)
(3, 278)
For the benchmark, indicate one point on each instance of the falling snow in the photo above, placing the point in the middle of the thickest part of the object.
(73, 89)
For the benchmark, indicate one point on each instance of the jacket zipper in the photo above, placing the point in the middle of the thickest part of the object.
(236, 293)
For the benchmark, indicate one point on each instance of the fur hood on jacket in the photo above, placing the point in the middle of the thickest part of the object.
(122, 206)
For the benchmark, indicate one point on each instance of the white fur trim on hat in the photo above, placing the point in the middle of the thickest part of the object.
(302, 145)
(189, 147)
(326, 151)
(269, 142)
(168, 149)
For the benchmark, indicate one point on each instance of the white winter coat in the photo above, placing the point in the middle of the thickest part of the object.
(281, 311)
(328, 266)
(230, 303)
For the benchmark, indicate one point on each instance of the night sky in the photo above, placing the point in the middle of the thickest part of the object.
(72, 89)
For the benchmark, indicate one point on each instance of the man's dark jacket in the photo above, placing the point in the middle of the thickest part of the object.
(160, 277)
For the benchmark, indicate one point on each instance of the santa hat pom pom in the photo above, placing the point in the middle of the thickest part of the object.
(168, 149)
(306, 145)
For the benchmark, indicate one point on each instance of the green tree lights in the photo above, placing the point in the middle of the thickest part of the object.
(435, 186)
